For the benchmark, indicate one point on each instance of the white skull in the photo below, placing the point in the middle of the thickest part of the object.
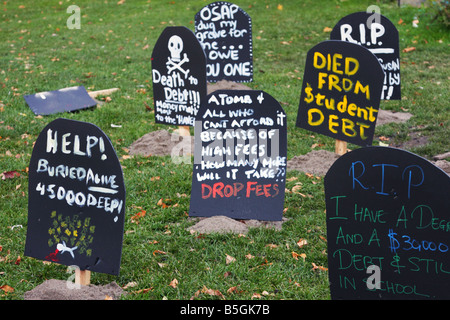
(175, 47)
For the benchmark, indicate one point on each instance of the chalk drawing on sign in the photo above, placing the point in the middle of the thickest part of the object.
(63, 248)
(174, 62)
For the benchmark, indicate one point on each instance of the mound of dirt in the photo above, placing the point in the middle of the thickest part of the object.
(59, 290)
(225, 85)
(386, 116)
(162, 143)
(219, 224)
(316, 162)
(444, 165)
(223, 224)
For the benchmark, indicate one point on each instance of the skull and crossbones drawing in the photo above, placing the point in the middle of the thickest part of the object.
(174, 62)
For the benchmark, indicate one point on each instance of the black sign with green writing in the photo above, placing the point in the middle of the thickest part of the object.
(341, 92)
(388, 226)
(76, 198)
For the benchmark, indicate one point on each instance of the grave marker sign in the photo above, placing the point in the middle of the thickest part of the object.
(76, 204)
(179, 76)
(388, 214)
(380, 36)
(225, 32)
(341, 92)
(62, 100)
(239, 156)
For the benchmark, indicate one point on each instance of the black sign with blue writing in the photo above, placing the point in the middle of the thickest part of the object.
(76, 198)
(225, 32)
(380, 36)
(388, 226)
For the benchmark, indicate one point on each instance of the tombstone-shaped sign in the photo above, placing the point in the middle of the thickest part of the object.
(179, 76)
(388, 214)
(341, 92)
(76, 198)
(225, 32)
(239, 156)
(62, 100)
(379, 35)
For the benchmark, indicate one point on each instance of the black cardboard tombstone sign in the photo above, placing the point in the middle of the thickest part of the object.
(239, 156)
(341, 92)
(379, 35)
(62, 100)
(388, 214)
(76, 204)
(179, 76)
(225, 32)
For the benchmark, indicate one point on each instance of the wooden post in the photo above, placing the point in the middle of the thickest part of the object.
(82, 277)
(94, 94)
(184, 131)
(340, 147)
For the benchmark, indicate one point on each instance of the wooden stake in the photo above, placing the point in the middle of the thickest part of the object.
(340, 147)
(184, 131)
(104, 92)
(82, 277)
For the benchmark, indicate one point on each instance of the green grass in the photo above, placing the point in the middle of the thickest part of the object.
(113, 49)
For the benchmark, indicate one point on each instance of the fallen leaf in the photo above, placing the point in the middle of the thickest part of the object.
(144, 290)
(18, 261)
(7, 288)
(280, 7)
(229, 259)
(108, 297)
(162, 204)
(315, 267)
(234, 290)
(130, 285)
(148, 107)
(302, 242)
(295, 255)
(137, 216)
(211, 292)
(249, 256)
(409, 49)
(158, 252)
(295, 190)
(256, 296)
(173, 283)
(271, 245)
(10, 175)
(327, 29)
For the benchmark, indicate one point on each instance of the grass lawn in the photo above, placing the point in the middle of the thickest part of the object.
(113, 49)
